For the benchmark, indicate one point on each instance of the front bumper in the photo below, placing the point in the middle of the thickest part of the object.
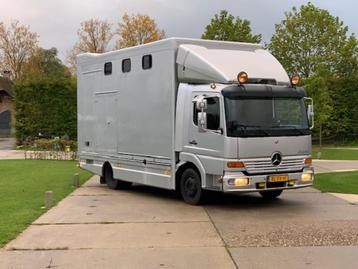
(294, 182)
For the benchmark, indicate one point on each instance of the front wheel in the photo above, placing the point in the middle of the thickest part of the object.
(190, 187)
(270, 195)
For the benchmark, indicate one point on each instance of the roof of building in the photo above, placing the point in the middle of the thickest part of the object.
(6, 86)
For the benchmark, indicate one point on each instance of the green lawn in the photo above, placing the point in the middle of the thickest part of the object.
(336, 154)
(22, 187)
(346, 182)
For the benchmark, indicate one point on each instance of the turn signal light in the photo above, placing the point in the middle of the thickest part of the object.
(308, 161)
(242, 77)
(295, 79)
(235, 165)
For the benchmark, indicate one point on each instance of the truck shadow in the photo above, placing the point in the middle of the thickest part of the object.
(221, 200)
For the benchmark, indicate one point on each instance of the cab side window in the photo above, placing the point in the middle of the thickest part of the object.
(212, 113)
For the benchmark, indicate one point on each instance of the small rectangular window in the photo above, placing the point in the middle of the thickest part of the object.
(126, 65)
(147, 61)
(108, 68)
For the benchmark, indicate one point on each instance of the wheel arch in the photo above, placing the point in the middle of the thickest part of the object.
(189, 160)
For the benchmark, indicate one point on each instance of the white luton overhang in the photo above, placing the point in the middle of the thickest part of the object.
(206, 64)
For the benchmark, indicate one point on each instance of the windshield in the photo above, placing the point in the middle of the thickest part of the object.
(275, 116)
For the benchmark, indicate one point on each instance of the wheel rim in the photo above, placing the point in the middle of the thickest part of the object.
(190, 187)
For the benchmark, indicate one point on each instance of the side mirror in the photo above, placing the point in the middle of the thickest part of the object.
(201, 105)
(202, 122)
(310, 112)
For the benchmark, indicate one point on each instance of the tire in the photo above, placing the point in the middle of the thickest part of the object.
(190, 187)
(112, 183)
(270, 195)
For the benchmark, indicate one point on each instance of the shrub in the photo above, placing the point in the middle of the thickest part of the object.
(45, 106)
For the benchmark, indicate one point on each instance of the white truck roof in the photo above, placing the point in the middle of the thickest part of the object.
(206, 61)
(202, 64)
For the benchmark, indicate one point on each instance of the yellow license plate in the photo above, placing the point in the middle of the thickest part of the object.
(281, 178)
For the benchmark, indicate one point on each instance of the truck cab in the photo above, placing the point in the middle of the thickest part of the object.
(246, 137)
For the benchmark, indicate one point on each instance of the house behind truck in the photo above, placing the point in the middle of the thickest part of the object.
(175, 114)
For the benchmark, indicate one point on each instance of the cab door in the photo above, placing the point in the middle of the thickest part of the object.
(211, 142)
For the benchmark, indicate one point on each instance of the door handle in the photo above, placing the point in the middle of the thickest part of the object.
(193, 142)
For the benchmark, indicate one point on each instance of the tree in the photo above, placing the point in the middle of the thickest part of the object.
(317, 88)
(310, 39)
(93, 36)
(44, 62)
(225, 26)
(17, 44)
(137, 29)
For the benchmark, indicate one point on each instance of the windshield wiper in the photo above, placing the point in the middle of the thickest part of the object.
(290, 127)
(256, 127)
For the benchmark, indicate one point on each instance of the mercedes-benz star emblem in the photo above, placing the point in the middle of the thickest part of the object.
(276, 159)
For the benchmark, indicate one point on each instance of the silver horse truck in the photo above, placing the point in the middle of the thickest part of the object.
(194, 115)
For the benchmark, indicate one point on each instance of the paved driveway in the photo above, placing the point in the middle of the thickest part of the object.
(328, 166)
(7, 143)
(147, 228)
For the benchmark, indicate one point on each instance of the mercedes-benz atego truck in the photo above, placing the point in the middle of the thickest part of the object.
(194, 115)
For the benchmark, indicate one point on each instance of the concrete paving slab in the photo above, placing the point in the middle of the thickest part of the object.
(149, 258)
(296, 219)
(94, 182)
(350, 198)
(11, 154)
(7, 143)
(124, 207)
(113, 236)
(95, 203)
(296, 258)
(295, 205)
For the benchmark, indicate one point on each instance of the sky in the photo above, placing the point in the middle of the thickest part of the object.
(57, 21)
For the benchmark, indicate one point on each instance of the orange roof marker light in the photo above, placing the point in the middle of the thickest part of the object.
(295, 79)
(242, 77)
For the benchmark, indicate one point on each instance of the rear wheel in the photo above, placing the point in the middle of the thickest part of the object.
(112, 183)
(270, 195)
(190, 187)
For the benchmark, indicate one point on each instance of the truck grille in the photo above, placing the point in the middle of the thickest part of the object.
(264, 165)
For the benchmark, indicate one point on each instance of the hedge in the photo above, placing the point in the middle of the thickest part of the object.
(45, 106)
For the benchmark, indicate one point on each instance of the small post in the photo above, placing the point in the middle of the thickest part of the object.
(320, 142)
(48, 199)
(76, 180)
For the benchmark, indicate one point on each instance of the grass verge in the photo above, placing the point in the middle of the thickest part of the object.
(336, 154)
(346, 182)
(23, 184)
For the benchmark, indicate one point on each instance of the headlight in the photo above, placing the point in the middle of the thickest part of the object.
(306, 177)
(239, 182)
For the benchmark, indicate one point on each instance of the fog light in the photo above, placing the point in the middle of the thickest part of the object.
(291, 183)
(306, 177)
(241, 182)
(261, 185)
(238, 182)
